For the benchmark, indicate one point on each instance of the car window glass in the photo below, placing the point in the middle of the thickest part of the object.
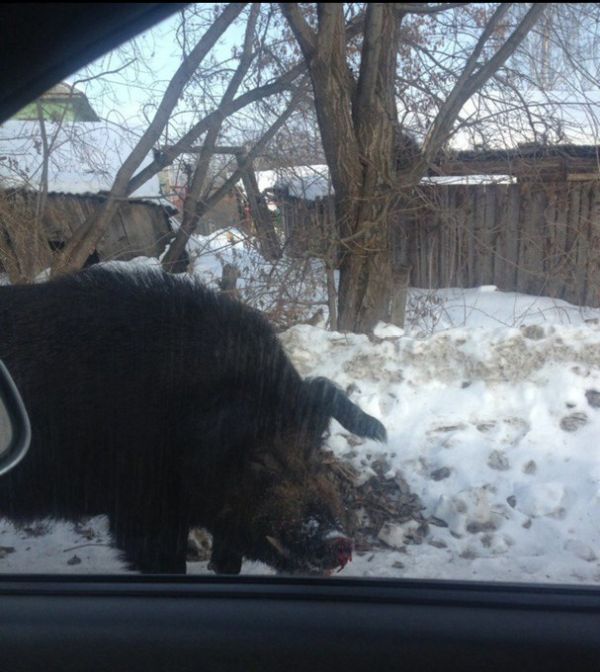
(310, 290)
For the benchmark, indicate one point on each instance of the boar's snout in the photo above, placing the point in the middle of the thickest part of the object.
(300, 523)
(338, 552)
(322, 555)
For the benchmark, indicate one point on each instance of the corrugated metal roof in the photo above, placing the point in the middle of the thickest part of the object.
(159, 202)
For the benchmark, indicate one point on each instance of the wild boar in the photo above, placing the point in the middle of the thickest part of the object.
(166, 406)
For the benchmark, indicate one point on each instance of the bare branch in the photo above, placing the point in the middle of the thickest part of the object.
(508, 48)
(169, 155)
(190, 217)
(424, 8)
(459, 88)
(175, 88)
(282, 83)
(228, 185)
(468, 83)
(182, 236)
(302, 31)
(85, 239)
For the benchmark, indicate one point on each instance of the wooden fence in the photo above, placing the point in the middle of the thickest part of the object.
(533, 236)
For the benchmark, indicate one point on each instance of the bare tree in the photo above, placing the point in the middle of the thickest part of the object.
(85, 239)
(197, 191)
(442, 71)
(357, 117)
(210, 125)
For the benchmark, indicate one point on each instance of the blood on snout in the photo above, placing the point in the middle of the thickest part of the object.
(339, 552)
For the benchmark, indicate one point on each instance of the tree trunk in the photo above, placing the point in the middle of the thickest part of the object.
(366, 270)
(332, 300)
(358, 122)
(262, 216)
(357, 119)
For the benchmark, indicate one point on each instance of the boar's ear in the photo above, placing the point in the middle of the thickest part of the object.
(336, 404)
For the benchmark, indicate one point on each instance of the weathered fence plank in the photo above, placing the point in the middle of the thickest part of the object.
(593, 288)
(534, 237)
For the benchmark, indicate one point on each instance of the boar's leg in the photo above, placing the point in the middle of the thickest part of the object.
(152, 545)
(336, 404)
(223, 559)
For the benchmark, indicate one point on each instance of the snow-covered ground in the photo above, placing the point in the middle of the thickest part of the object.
(492, 405)
(495, 428)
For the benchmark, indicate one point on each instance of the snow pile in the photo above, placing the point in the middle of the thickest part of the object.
(495, 429)
(429, 311)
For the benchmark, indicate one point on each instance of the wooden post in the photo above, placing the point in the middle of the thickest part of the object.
(228, 281)
(400, 280)
(332, 300)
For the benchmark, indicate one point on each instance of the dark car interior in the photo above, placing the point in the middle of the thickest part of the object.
(254, 623)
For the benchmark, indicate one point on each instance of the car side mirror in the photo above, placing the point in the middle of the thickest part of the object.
(15, 430)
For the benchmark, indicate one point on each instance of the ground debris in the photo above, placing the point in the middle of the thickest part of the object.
(39, 529)
(593, 398)
(5, 550)
(380, 502)
(86, 532)
(572, 422)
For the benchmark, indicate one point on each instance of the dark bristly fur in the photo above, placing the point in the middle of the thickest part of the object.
(165, 405)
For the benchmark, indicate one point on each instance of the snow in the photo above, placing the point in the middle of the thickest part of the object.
(383, 330)
(306, 182)
(85, 157)
(490, 406)
(469, 179)
(491, 401)
(313, 182)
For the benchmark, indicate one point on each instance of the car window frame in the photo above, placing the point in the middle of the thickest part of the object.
(438, 598)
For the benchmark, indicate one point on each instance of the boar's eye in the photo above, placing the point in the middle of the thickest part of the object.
(257, 468)
(265, 466)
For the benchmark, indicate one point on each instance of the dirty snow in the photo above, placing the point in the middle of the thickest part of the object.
(495, 428)
(492, 405)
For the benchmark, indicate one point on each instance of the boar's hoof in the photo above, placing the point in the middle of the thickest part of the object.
(224, 561)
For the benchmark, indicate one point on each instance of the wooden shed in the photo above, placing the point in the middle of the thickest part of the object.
(140, 227)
